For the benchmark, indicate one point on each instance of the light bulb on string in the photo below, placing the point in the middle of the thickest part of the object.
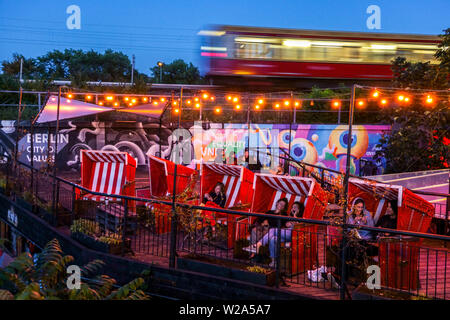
(336, 104)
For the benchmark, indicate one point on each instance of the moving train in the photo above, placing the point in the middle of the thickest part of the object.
(306, 57)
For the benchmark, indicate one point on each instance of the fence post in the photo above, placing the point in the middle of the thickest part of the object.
(32, 156)
(278, 254)
(447, 209)
(73, 205)
(124, 227)
(173, 227)
(322, 180)
(58, 183)
(8, 169)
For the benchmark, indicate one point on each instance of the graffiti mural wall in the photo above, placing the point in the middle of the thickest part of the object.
(323, 145)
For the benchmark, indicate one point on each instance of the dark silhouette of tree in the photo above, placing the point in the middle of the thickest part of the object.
(75, 65)
(419, 136)
(177, 72)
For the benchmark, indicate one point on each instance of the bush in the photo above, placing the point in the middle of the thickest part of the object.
(85, 226)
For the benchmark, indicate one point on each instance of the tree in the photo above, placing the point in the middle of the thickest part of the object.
(29, 66)
(44, 278)
(177, 72)
(443, 53)
(419, 135)
(75, 65)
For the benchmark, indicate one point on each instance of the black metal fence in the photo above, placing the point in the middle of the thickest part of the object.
(308, 255)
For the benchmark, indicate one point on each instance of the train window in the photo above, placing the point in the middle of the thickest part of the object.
(250, 50)
(330, 50)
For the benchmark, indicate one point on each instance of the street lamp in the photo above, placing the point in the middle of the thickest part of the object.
(160, 65)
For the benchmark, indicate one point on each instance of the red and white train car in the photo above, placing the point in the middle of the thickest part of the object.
(270, 53)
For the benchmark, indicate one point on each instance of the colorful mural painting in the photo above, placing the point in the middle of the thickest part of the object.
(322, 145)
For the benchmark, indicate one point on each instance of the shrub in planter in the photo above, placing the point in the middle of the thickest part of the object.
(145, 217)
(228, 269)
(87, 231)
(112, 243)
(364, 293)
(85, 226)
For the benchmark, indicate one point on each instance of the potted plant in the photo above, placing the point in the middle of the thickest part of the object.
(88, 233)
(364, 293)
(227, 269)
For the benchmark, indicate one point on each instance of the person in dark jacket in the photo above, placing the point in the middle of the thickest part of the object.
(263, 224)
(217, 195)
(389, 219)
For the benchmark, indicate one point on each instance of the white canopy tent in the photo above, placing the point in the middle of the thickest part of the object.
(68, 109)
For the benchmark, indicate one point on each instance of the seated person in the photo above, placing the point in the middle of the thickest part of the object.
(262, 225)
(389, 220)
(285, 234)
(360, 216)
(217, 196)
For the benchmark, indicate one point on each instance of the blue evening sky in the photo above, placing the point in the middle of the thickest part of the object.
(166, 30)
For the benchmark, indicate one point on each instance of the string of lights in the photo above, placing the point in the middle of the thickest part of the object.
(218, 100)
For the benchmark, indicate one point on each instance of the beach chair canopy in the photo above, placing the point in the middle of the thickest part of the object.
(414, 212)
(269, 188)
(161, 174)
(238, 182)
(107, 172)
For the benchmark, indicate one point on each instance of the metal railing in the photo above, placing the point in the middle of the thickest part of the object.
(147, 228)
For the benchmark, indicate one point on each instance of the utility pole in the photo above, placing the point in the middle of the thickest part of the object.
(19, 113)
(294, 109)
(20, 74)
(132, 69)
(180, 107)
(339, 114)
(346, 183)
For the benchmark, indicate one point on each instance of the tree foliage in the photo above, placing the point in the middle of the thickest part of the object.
(75, 65)
(44, 278)
(419, 136)
(177, 71)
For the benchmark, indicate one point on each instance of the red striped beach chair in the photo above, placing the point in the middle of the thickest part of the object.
(108, 172)
(398, 258)
(238, 183)
(269, 188)
(161, 175)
